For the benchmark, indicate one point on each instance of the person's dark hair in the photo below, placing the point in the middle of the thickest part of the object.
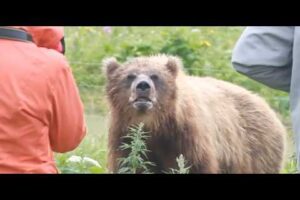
(63, 45)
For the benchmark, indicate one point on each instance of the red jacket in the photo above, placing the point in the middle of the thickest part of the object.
(40, 106)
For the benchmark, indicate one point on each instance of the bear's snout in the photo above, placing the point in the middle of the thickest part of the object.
(143, 89)
(143, 86)
(142, 93)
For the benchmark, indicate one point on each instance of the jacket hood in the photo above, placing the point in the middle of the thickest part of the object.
(45, 36)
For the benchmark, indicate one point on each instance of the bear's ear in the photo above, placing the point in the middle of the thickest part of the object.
(174, 64)
(109, 65)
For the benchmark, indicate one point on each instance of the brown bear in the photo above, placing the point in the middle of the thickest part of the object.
(217, 126)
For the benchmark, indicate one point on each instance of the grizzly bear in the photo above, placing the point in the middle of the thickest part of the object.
(217, 126)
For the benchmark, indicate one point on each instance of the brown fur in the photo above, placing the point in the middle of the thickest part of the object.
(218, 127)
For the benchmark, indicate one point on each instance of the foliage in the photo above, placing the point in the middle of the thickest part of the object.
(135, 161)
(205, 51)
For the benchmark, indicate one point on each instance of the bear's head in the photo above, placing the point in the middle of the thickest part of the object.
(142, 85)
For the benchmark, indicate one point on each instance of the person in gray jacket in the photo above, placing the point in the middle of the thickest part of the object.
(271, 56)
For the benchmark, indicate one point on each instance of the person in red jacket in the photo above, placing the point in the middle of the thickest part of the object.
(40, 108)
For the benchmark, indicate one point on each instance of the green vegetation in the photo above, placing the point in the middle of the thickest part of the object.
(205, 51)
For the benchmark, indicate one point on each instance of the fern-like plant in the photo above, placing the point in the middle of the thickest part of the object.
(135, 162)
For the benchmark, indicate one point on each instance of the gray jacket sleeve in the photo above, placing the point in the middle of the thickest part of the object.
(265, 55)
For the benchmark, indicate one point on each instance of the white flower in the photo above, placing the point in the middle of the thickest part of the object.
(74, 159)
(90, 162)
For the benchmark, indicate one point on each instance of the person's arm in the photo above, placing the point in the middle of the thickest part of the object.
(67, 124)
(265, 55)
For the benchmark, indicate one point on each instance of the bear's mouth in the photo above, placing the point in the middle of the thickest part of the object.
(142, 103)
(142, 99)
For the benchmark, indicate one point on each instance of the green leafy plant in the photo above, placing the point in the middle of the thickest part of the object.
(182, 168)
(291, 167)
(135, 162)
(78, 164)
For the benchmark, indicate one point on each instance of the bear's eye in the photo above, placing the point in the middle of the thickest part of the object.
(131, 77)
(154, 77)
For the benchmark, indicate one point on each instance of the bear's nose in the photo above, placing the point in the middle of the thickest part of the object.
(143, 86)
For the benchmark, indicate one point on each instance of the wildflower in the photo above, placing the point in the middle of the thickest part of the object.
(107, 29)
(90, 162)
(205, 43)
(74, 159)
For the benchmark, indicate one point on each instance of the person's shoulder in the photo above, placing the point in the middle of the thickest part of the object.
(56, 61)
(57, 69)
(54, 56)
